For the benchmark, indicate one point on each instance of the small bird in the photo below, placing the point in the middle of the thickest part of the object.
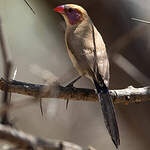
(87, 52)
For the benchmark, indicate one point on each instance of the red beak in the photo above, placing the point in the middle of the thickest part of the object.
(59, 9)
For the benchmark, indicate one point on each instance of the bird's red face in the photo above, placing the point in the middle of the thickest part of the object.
(73, 15)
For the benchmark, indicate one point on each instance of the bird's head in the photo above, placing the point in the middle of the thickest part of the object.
(73, 14)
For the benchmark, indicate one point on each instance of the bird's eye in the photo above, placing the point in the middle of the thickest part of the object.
(70, 10)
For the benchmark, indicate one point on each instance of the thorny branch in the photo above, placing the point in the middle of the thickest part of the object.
(124, 96)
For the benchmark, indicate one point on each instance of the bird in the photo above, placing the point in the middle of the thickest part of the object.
(88, 54)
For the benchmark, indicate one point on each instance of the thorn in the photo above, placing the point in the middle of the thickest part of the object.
(41, 108)
(67, 104)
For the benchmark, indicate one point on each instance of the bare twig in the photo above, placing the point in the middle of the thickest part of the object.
(141, 20)
(26, 141)
(7, 71)
(124, 96)
(130, 69)
(127, 38)
(29, 6)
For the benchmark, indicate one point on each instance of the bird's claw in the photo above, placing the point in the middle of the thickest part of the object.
(70, 85)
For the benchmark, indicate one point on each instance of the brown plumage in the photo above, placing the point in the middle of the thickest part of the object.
(88, 54)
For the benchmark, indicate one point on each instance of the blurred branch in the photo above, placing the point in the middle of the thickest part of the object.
(124, 96)
(127, 38)
(26, 141)
(130, 69)
(7, 63)
(140, 20)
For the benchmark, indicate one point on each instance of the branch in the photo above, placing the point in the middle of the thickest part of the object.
(7, 63)
(140, 20)
(26, 141)
(125, 96)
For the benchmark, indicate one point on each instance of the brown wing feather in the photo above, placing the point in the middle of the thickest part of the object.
(81, 50)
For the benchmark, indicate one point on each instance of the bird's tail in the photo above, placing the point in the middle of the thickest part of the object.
(108, 111)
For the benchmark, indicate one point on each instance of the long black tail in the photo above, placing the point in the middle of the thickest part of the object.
(108, 111)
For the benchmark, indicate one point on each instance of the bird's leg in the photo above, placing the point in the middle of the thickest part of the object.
(73, 82)
(71, 86)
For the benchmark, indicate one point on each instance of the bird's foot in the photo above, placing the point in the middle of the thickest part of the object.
(70, 85)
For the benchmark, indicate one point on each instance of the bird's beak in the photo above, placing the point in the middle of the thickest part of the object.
(59, 9)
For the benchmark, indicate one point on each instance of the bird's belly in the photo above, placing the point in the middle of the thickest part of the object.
(81, 70)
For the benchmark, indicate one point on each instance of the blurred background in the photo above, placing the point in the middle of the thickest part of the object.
(36, 43)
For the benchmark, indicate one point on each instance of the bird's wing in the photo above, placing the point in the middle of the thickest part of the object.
(79, 42)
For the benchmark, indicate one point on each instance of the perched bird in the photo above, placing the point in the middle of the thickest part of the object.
(88, 54)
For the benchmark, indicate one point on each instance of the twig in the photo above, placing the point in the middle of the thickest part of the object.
(29, 6)
(130, 69)
(7, 71)
(124, 96)
(140, 20)
(127, 38)
(26, 141)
